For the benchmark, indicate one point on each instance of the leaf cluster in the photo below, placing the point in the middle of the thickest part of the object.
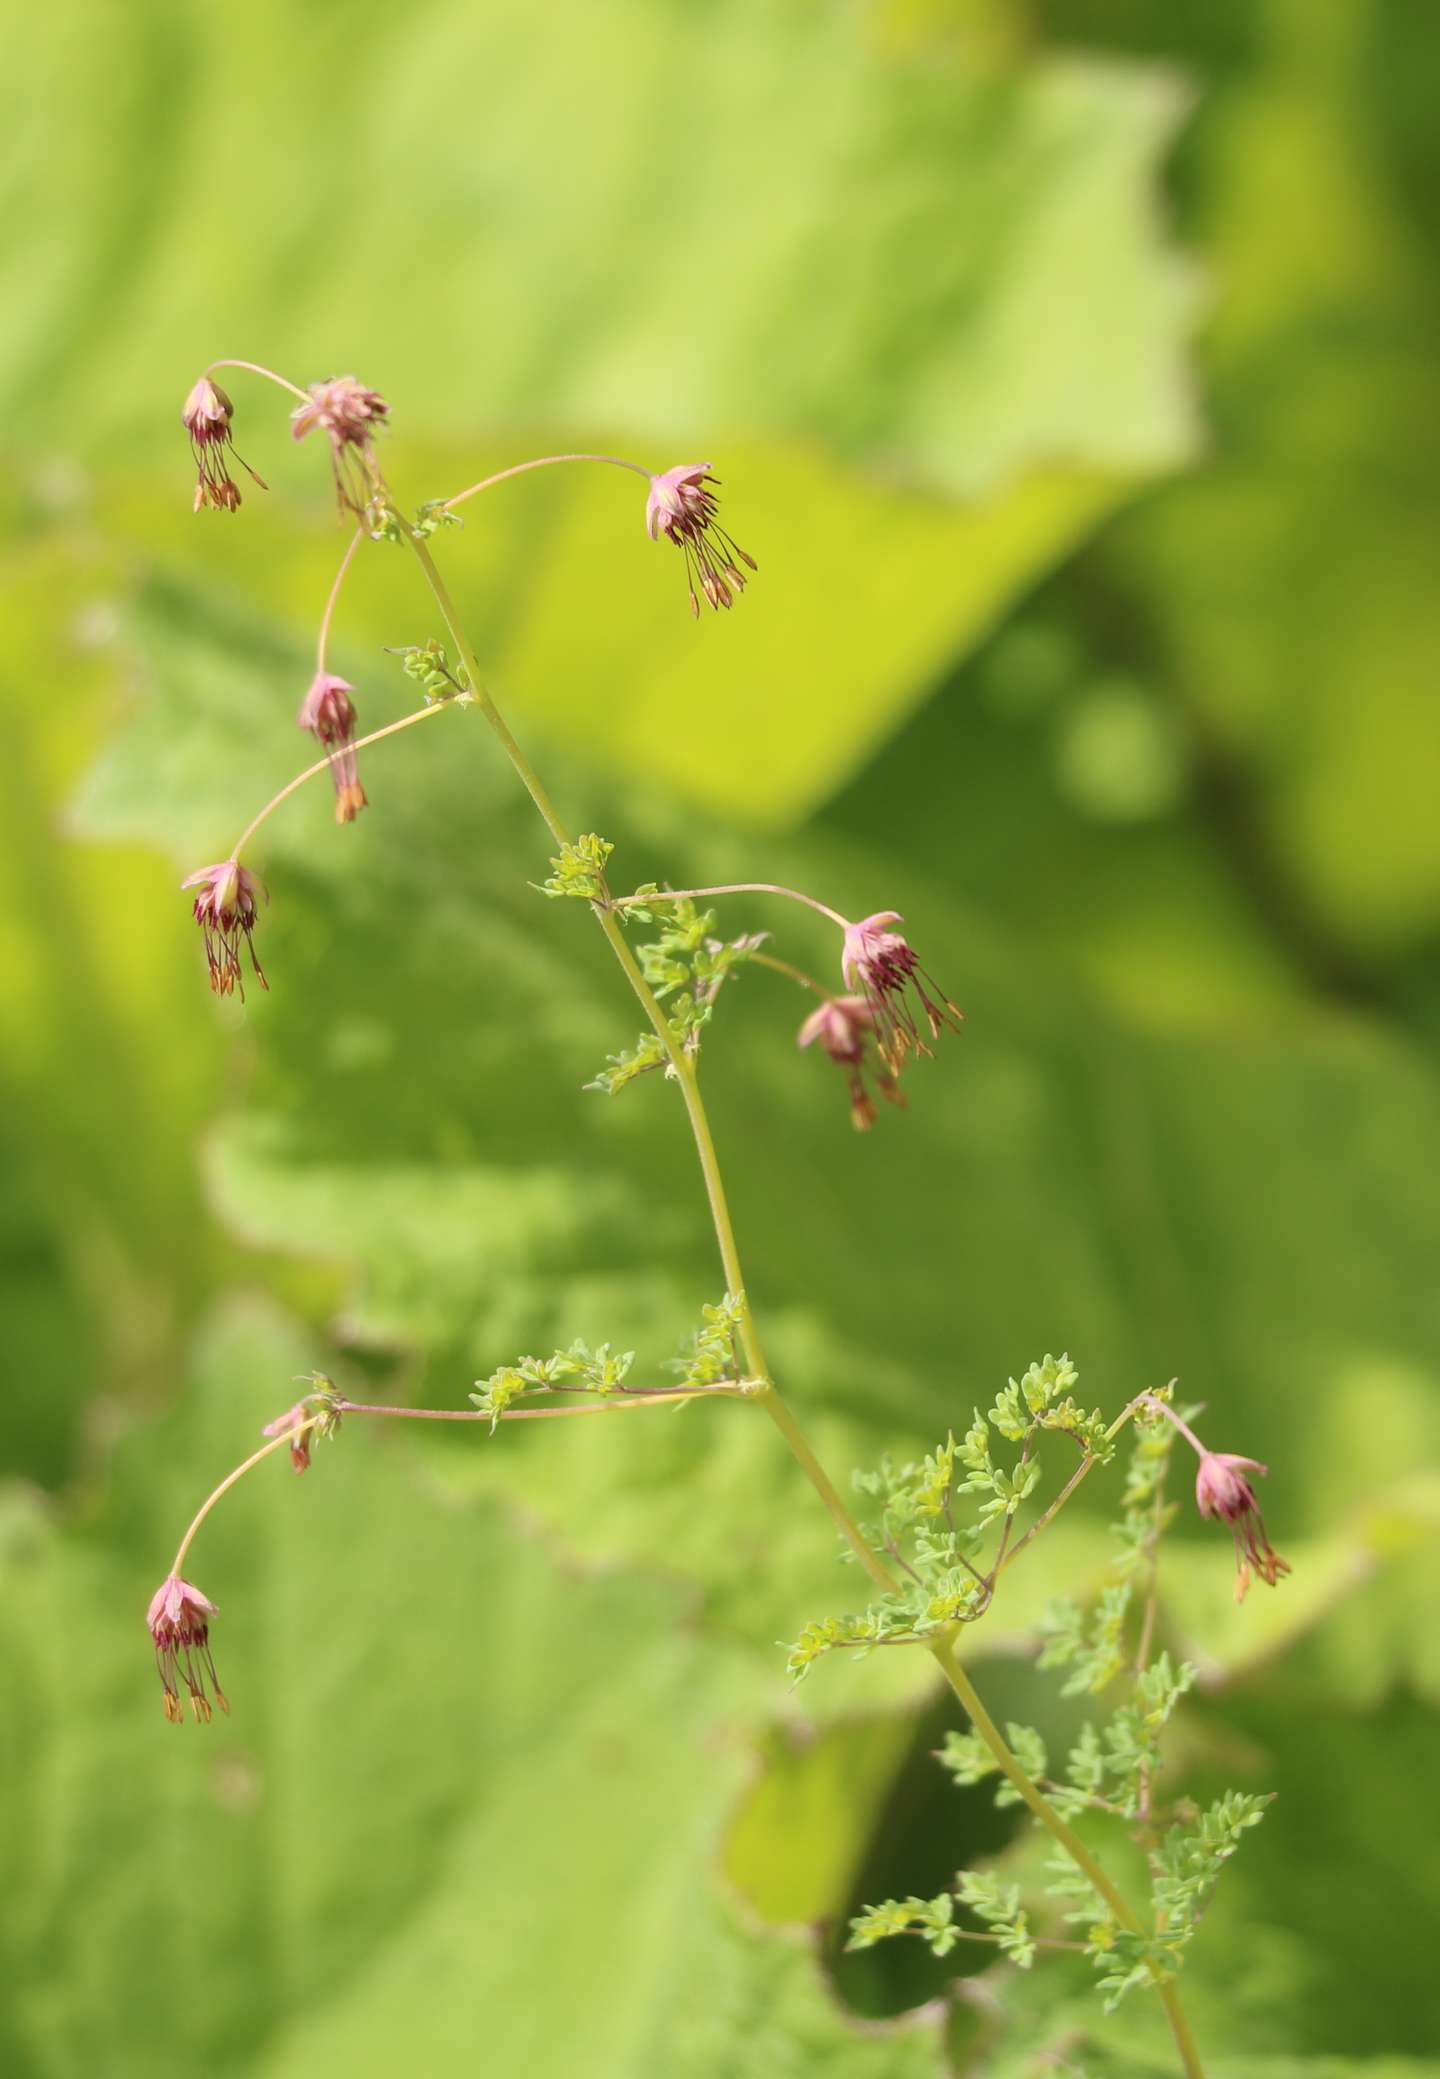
(579, 869)
(997, 1907)
(1111, 1767)
(685, 967)
(428, 664)
(578, 1369)
(714, 1352)
(933, 1542)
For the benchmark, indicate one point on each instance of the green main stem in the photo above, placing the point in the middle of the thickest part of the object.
(682, 1068)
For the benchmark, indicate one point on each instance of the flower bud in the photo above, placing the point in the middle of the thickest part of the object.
(225, 910)
(883, 966)
(179, 1620)
(682, 506)
(328, 712)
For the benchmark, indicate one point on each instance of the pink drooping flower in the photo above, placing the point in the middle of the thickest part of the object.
(845, 1027)
(883, 967)
(328, 712)
(349, 415)
(1221, 1489)
(225, 910)
(682, 506)
(206, 417)
(289, 1424)
(179, 1620)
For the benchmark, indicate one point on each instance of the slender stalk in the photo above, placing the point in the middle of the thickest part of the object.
(529, 778)
(323, 639)
(622, 902)
(1067, 1838)
(684, 1072)
(540, 462)
(323, 765)
(791, 972)
(651, 1397)
(255, 368)
(288, 1437)
(1161, 1407)
(1082, 1472)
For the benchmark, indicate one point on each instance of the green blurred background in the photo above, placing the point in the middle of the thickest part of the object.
(1071, 369)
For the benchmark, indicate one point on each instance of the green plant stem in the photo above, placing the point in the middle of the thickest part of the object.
(683, 1071)
(286, 1436)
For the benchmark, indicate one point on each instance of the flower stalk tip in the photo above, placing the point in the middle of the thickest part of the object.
(683, 507)
(179, 1622)
(206, 416)
(1222, 1491)
(328, 713)
(844, 1026)
(883, 967)
(225, 908)
(349, 414)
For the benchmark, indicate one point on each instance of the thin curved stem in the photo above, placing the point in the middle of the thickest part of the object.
(540, 462)
(683, 1070)
(622, 902)
(324, 765)
(651, 1398)
(529, 778)
(1151, 1400)
(256, 368)
(287, 1437)
(791, 972)
(323, 638)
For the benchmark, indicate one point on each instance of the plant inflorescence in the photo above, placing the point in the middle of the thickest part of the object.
(934, 1536)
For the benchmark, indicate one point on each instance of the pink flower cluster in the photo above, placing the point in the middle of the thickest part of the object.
(179, 1620)
(206, 416)
(683, 507)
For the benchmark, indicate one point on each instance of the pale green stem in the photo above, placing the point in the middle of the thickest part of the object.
(683, 1070)
(540, 462)
(1161, 1408)
(622, 902)
(255, 368)
(1081, 1473)
(323, 638)
(323, 765)
(641, 1397)
(228, 1482)
(1068, 1839)
(792, 973)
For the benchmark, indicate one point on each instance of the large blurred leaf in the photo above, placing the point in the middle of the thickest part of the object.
(101, 1240)
(763, 217)
(435, 1829)
(1283, 595)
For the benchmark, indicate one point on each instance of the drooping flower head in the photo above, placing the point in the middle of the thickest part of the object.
(883, 967)
(179, 1620)
(845, 1027)
(225, 910)
(206, 417)
(328, 712)
(291, 1424)
(349, 414)
(1221, 1489)
(682, 506)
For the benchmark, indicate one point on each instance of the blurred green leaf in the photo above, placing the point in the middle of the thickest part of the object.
(876, 249)
(1283, 595)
